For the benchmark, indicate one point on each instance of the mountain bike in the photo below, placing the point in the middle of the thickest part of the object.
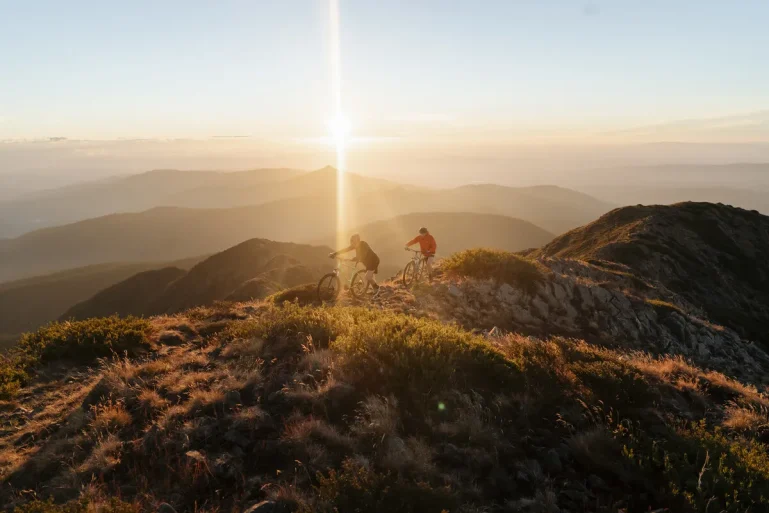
(330, 285)
(414, 270)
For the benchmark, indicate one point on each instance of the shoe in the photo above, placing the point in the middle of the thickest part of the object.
(376, 292)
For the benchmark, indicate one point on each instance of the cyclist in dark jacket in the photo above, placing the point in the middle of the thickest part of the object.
(366, 256)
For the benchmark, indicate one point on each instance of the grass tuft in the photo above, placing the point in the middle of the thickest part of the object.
(501, 266)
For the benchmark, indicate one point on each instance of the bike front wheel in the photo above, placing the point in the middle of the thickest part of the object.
(359, 285)
(328, 288)
(410, 274)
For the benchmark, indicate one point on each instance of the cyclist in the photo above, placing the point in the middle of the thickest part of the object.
(427, 246)
(365, 255)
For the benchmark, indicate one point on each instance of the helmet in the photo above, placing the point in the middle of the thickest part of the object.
(423, 230)
(355, 239)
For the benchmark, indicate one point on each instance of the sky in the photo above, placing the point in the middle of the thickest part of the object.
(414, 73)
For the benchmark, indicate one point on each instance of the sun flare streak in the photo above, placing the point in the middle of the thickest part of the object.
(338, 125)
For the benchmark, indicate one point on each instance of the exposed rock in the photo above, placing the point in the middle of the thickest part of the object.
(680, 246)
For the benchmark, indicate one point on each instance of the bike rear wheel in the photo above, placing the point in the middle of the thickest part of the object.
(328, 287)
(410, 274)
(359, 286)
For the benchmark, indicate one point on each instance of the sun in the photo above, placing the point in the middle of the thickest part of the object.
(339, 127)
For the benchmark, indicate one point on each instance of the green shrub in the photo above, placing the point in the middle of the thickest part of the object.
(84, 341)
(12, 376)
(400, 354)
(80, 341)
(502, 266)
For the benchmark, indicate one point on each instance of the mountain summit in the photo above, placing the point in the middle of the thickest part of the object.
(713, 255)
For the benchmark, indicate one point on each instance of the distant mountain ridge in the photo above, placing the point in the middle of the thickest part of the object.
(133, 193)
(169, 233)
(712, 255)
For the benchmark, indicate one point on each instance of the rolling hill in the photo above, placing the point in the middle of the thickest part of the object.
(314, 183)
(231, 273)
(169, 233)
(29, 303)
(133, 193)
(712, 255)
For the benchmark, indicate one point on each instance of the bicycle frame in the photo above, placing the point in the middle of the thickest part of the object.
(419, 261)
(345, 265)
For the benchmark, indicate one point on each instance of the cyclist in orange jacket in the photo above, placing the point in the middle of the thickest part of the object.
(428, 246)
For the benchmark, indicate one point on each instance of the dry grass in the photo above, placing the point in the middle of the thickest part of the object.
(110, 416)
(350, 409)
(743, 419)
(204, 401)
(249, 348)
(178, 383)
(151, 402)
(676, 371)
(104, 456)
(305, 431)
(377, 417)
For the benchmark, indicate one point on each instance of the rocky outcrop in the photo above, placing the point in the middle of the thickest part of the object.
(713, 255)
(582, 300)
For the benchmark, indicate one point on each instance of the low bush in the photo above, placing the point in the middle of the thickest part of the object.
(78, 341)
(502, 266)
(85, 341)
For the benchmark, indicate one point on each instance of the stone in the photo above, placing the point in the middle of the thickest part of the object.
(585, 296)
(559, 292)
(541, 307)
(523, 316)
(453, 290)
(601, 295)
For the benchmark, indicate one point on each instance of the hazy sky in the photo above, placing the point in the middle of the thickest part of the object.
(480, 70)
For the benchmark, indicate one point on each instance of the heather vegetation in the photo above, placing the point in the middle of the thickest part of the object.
(501, 266)
(350, 409)
(78, 342)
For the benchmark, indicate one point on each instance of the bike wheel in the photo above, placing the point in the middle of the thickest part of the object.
(359, 285)
(409, 274)
(328, 287)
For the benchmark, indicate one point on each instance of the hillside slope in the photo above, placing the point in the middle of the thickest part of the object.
(289, 408)
(713, 255)
(250, 270)
(28, 304)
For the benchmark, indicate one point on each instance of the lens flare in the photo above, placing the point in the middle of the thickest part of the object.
(339, 126)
